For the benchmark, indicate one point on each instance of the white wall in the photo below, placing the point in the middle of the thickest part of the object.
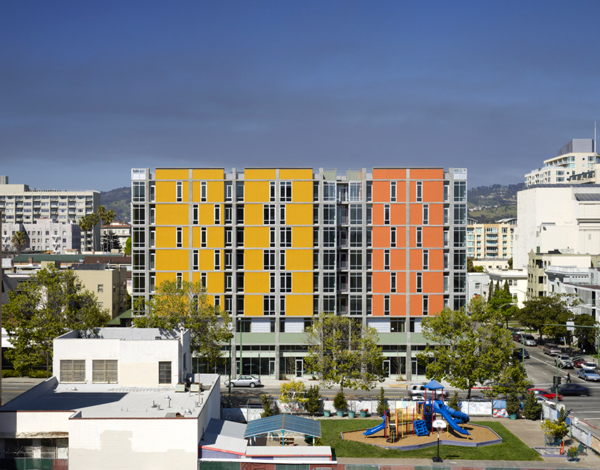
(212, 405)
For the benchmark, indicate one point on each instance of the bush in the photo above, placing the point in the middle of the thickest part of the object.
(531, 407)
(266, 403)
(10, 373)
(313, 404)
(38, 374)
(557, 429)
(513, 404)
(381, 406)
(453, 403)
(339, 402)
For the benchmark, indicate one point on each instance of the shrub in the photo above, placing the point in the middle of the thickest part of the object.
(313, 404)
(339, 401)
(266, 403)
(531, 407)
(513, 404)
(38, 374)
(10, 373)
(557, 429)
(453, 403)
(381, 406)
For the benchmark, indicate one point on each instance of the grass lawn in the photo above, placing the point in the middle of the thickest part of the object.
(512, 448)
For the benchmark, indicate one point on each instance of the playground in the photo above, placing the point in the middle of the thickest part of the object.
(413, 426)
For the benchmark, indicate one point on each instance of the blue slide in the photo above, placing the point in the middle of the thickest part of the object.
(453, 417)
(379, 427)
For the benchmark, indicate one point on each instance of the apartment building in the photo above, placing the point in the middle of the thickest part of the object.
(490, 240)
(21, 205)
(109, 285)
(44, 235)
(276, 246)
(576, 162)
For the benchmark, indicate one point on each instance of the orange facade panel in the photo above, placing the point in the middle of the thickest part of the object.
(381, 191)
(436, 304)
(381, 237)
(433, 237)
(436, 260)
(381, 282)
(416, 260)
(436, 214)
(377, 214)
(397, 305)
(433, 282)
(427, 174)
(433, 191)
(416, 305)
(397, 259)
(378, 305)
(389, 173)
(398, 214)
(416, 214)
(378, 260)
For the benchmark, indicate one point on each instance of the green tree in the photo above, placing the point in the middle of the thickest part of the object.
(381, 405)
(50, 303)
(293, 392)
(466, 349)
(504, 303)
(531, 407)
(343, 351)
(513, 404)
(19, 241)
(471, 268)
(127, 247)
(510, 263)
(106, 217)
(491, 291)
(339, 401)
(506, 288)
(93, 219)
(266, 403)
(512, 378)
(454, 403)
(313, 403)
(85, 224)
(585, 335)
(539, 312)
(185, 304)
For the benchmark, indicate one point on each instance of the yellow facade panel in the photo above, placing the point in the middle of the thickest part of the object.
(207, 260)
(172, 214)
(256, 283)
(302, 237)
(215, 282)
(254, 260)
(256, 237)
(253, 305)
(296, 174)
(159, 278)
(195, 191)
(302, 283)
(165, 191)
(196, 277)
(215, 191)
(172, 174)
(298, 260)
(215, 237)
(256, 191)
(302, 191)
(196, 237)
(298, 305)
(207, 214)
(253, 214)
(208, 174)
(165, 237)
(172, 260)
(299, 214)
(259, 174)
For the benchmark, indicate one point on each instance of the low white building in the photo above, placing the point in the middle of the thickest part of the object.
(114, 403)
(583, 282)
(477, 285)
(517, 282)
(44, 235)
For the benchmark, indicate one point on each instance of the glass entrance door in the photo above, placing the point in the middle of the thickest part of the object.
(299, 367)
(386, 367)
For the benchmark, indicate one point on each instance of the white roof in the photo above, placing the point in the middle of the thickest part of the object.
(279, 451)
(224, 443)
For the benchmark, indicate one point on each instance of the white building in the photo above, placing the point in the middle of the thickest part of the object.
(477, 285)
(115, 403)
(44, 235)
(557, 217)
(578, 157)
(583, 282)
(21, 205)
(517, 282)
(120, 230)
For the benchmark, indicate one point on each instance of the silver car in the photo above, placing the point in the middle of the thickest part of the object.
(244, 381)
(591, 366)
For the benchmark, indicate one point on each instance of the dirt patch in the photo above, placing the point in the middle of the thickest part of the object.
(478, 434)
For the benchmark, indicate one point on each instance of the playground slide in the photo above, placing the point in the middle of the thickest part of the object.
(377, 428)
(445, 411)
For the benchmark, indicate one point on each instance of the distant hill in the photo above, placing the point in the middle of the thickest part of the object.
(118, 200)
(487, 204)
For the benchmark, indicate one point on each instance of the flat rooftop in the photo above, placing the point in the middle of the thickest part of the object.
(113, 401)
(124, 334)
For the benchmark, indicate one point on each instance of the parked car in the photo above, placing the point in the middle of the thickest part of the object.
(530, 340)
(563, 361)
(519, 353)
(418, 390)
(574, 390)
(545, 393)
(589, 366)
(244, 381)
(577, 361)
(587, 374)
(551, 349)
(517, 337)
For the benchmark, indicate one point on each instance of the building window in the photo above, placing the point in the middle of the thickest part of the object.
(203, 237)
(269, 214)
(425, 214)
(228, 191)
(315, 191)
(328, 284)
(228, 282)
(272, 285)
(100, 287)
(386, 259)
(272, 238)
(268, 305)
(460, 191)
(272, 191)
(179, 237)
(419, 282)
(228, 237)
(397, 325)
(179, 192)
(179, 279)
(203, 280)
(285, 237)
(164, 372)
(239, 214)
(355, 305)
(285, 191)
(282, 214)
(196, 260)
(105, 371)
(393, 237)
(328, 237)
(355, 191)
(393, 191)
(217, 303)
(239, 191)
(355, 282)
(386, 304)
(139, 192)
(393, 283)
(419, 237)
(203, 191)
(386, 214)
(282, 259)
(328, 260)
(282, 304)
(356, 263)
(217, 214)
(217, 260)
(419, 195)
(329, 214)
(285, 281)
(72, 370)
(425, 259)
(425, 305)
(228, 259)
(139, 216)
(268, 260)
(328, 191)
(356, 237)
(315, 236)
(446, 215)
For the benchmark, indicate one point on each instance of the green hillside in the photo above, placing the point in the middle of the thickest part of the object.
(118, 200)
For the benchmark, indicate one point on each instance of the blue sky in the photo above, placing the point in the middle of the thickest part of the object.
(90, 89)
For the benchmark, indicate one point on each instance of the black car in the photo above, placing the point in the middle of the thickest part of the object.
(574, 390)
(518, 354)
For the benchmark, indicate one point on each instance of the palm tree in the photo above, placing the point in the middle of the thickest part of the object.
(106, 216)
(19, 241)
(94, 219)
(85, 224)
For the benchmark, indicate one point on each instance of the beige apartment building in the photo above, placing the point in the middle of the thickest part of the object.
(490, 241)
(109, 284)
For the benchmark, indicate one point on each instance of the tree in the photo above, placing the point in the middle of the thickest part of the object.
(539, 312)
(585, 336)
(510, 263)
(503, 302)
(513, 404)
(453, 403)
(491, 291)
(381, 405)
(185, 304)
(106, 217)
(293, 392)
(127, 248)
(471, 268)
(93, 219)
(313, 403)
(343, 351)
(339, 401)
(19, 241)
(50, 303)
(85, 224)
(266, 403)
(506, 288)
(466, 349)
(512, 379)
(531, 407)
(110, 241)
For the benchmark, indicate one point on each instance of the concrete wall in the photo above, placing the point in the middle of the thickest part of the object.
(211, 407)
(133, 443)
